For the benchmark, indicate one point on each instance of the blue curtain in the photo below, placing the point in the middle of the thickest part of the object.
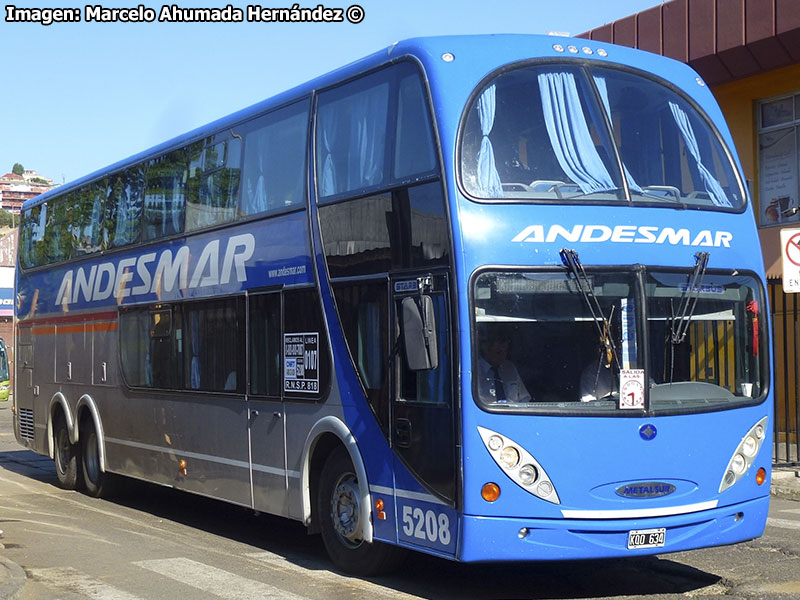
(603, 89)
(488, 178)
(569, 133)
(370, 137)
(710, 183)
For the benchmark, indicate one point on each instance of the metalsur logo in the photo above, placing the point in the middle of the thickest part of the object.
(645, 489)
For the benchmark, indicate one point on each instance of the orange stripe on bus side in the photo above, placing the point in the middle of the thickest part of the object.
(50, 330)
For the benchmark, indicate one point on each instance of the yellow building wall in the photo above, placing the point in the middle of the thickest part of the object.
(738, 103)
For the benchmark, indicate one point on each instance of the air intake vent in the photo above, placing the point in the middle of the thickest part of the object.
(26, 424)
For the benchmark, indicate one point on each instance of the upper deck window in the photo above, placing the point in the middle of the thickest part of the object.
(590, 134)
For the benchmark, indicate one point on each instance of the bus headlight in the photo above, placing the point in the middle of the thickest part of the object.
(745, 454)
(527, 474)
(509, 456)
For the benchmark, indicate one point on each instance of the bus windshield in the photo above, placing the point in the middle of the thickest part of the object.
(547, 342)
(564, 133)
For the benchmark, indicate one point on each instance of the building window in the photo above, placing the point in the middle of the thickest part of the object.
(778, 132)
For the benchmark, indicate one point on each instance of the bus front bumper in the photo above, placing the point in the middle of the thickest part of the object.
(485, 539)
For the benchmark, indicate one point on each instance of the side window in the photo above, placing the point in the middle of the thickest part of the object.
(165, 194)
(58, 233)
(274, 170)
(214, 345)
(351, 135)
(374, 132)
(134, 335)
(363, 311)
(150, 347)
(123, 214)
(32, 239)
(87, 218)
(213, 184)
(306, 364)
(265, 345)
(414, 152)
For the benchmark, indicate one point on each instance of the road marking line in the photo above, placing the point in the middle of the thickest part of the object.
(215, 581)
(783, 523)
(313, 569)
(794, 511)
(71, 580)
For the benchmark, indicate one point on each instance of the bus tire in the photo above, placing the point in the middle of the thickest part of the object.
(338, 506)
(94, 480)
(65, 455)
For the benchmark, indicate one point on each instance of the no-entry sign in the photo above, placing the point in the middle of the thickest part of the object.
(790, 256)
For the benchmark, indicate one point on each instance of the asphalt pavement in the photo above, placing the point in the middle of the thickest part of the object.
(785, 484)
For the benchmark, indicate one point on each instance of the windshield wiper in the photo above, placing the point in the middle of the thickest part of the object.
(570, 259)
(681, 320)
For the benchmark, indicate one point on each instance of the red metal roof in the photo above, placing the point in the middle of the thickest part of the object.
(722, 40)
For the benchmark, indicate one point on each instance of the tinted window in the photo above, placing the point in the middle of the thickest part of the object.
(275, 161)
(415, 148)
(213, 184)
(165, 194)
(404, 228)
(31, 237)
(214, 345)
(555, 132)
(88, 205)
(373, 132)
(363, 309)
(124, 207)
(265, 345)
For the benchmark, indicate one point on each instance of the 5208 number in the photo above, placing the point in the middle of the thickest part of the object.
(426, 525)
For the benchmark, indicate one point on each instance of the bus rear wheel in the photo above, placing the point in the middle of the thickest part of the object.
(94, 480)
(339, 510)
(65, 455)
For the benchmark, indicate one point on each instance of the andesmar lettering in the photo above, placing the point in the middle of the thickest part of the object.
(622, 234)
(156, 272)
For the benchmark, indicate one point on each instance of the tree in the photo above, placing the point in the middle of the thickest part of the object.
(18, 169)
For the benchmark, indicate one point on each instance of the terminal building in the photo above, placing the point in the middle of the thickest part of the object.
(748, 53)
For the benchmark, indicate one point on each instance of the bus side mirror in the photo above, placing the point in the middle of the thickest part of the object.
(419, 334)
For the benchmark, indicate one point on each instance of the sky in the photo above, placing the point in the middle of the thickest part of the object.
(78, 96)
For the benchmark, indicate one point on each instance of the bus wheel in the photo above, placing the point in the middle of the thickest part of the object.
(65, 455)
(94, 480)
(339, 511)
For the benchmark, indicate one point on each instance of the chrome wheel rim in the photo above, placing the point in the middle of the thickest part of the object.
(346, 510)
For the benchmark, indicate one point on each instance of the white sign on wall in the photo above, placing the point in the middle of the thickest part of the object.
(790, 257)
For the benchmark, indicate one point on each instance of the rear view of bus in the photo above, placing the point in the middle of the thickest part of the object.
(611, 257)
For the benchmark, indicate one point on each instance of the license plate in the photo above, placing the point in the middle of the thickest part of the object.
(646, 538)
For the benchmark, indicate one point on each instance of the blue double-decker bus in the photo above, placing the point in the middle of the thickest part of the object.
(490, 298)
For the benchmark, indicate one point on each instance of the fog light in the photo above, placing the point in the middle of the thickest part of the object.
(761, 476)
(510, 456)
(490, 492)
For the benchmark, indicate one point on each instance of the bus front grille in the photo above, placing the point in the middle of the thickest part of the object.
(26, 424)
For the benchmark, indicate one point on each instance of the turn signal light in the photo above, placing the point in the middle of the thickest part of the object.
(490, 492)
(182, 467)
(379, 505)
(761, 476)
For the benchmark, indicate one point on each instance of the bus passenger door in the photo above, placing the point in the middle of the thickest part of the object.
(422, 430)
(266, 423)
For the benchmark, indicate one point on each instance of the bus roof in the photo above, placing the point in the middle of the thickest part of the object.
(470, 50)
